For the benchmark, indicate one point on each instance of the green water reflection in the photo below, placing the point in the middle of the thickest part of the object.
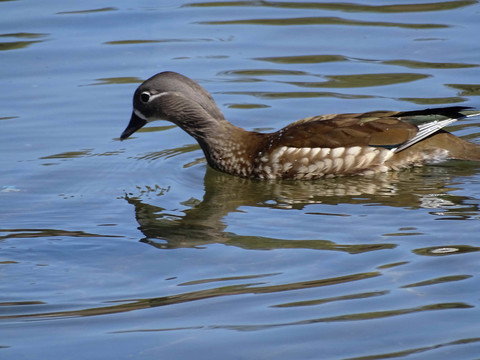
(346, 7)
(322, 21)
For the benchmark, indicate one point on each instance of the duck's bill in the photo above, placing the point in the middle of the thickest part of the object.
(134, 124)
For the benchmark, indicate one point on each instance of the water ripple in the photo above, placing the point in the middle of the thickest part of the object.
(323, 21)
(352, 317)
(88, 11)
(345, 7)
(249, 288)
(438, 280)
(418, 350)
(362, 80)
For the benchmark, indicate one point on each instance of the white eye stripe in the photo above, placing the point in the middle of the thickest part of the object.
(140, 115)
(158, 95)
(154, 96)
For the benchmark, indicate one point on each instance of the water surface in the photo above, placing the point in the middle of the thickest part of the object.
(137, 249)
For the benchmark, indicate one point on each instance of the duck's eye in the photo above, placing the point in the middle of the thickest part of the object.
(145, 96)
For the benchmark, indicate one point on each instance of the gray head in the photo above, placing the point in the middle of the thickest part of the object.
(174, 97)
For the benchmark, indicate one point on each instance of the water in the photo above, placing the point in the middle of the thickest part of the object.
(137, 249)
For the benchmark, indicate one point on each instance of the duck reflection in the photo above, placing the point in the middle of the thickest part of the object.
(425, 187)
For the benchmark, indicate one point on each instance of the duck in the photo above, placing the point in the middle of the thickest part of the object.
(310, 148)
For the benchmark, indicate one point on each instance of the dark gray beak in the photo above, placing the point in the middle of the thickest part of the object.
(134, 124)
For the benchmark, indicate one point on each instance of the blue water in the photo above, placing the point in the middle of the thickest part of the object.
(137, 250)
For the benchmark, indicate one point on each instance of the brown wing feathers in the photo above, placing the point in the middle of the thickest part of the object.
(374, 129)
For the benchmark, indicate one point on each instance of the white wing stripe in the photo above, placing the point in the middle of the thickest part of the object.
(425, 130)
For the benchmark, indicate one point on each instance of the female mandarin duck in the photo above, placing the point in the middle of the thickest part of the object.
(310, 148)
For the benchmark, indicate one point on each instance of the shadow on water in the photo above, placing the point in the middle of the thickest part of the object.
(427, 188)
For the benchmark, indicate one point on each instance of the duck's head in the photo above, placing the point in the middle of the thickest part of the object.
(173, 97)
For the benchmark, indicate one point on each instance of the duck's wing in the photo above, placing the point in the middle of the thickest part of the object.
(345, 130)
(430, 121)
(389, 129)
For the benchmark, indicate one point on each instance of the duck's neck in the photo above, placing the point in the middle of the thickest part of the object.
(227, 147)
(232, 149)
